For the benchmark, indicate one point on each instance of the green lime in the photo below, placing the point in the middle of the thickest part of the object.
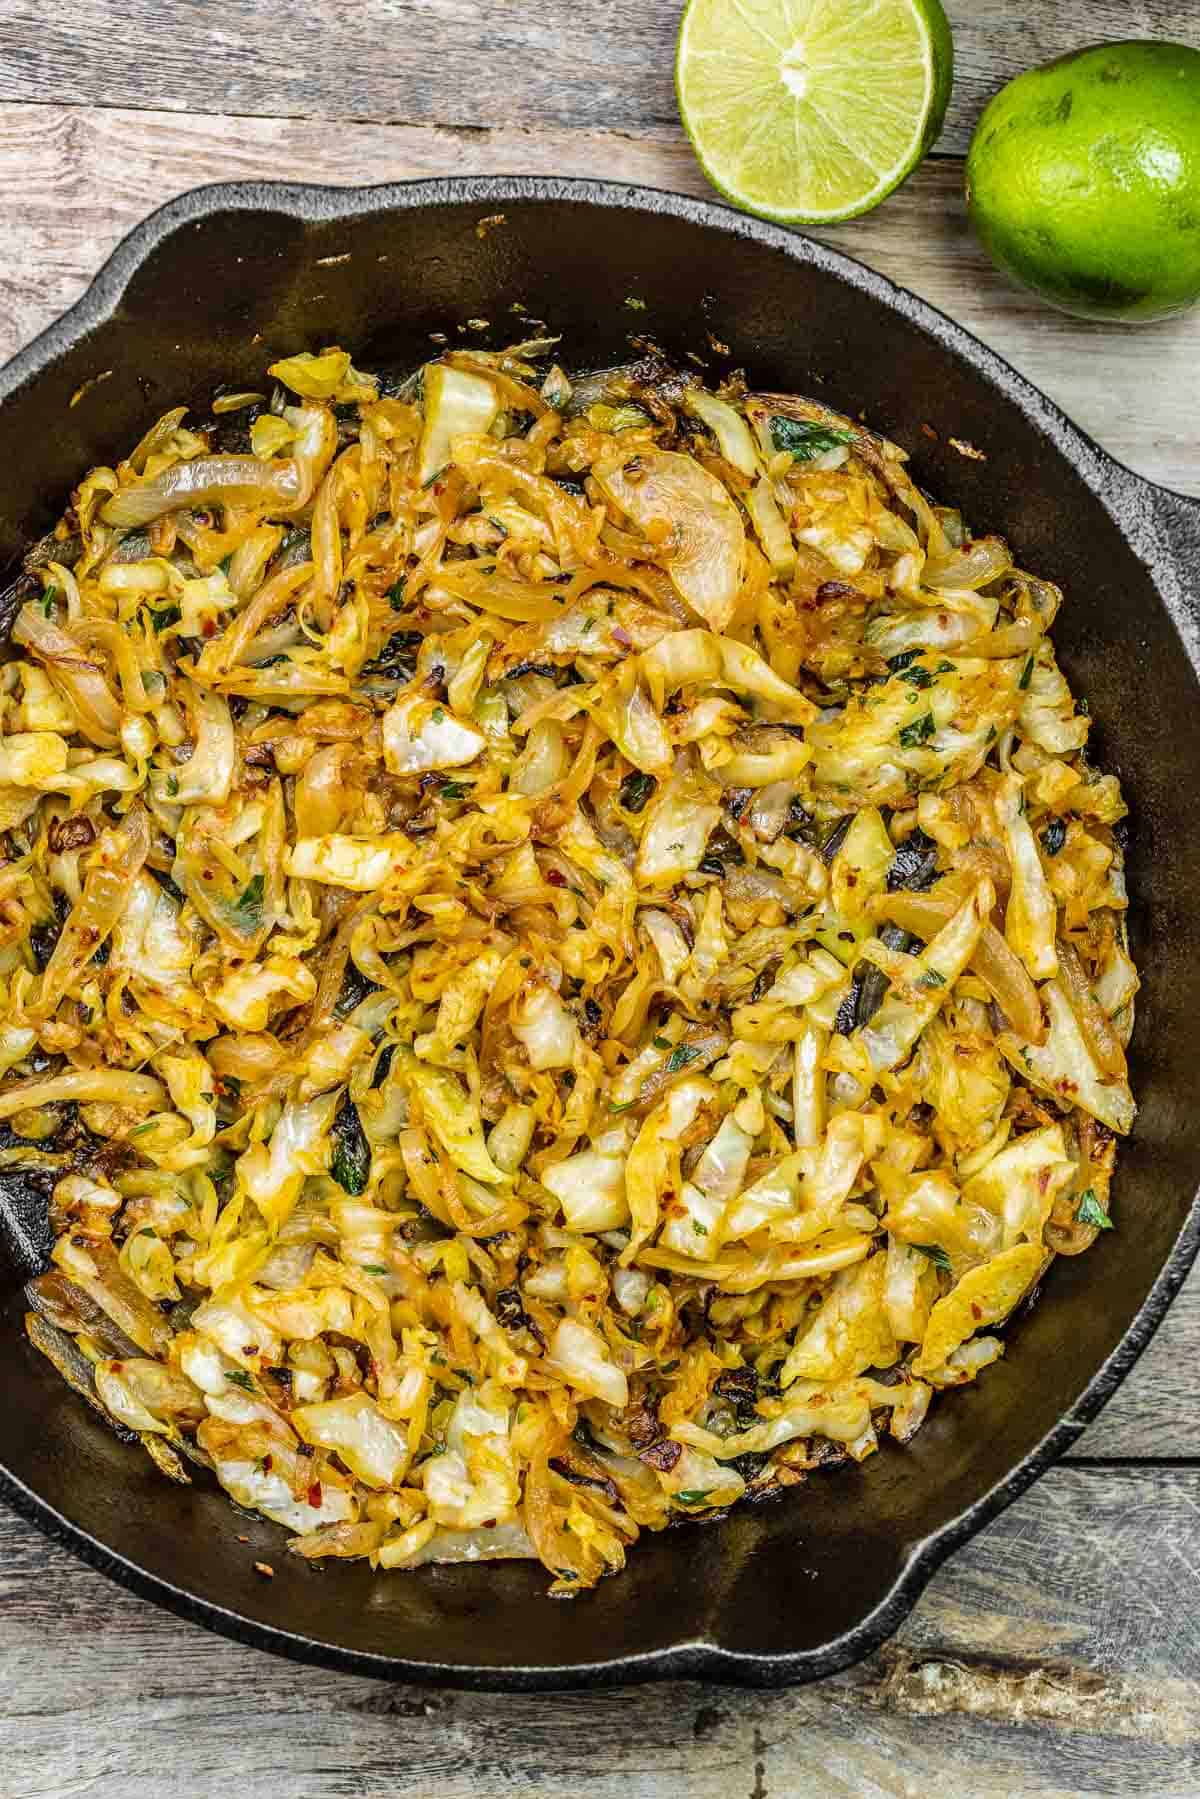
(1083, 180)
(809, 111)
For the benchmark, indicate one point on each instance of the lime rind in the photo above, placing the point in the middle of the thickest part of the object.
(812, 111)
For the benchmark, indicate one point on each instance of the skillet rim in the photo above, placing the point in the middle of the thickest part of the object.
(1135, 506)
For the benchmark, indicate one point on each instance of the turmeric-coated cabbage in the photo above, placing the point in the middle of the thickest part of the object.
(561, 952)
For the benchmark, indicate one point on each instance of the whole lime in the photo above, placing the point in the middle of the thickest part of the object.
(1083, 180)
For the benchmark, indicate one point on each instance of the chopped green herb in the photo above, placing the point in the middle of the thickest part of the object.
(249, 902)
(454, 790)
(931, 978)
(355, 989)
(172, 786)
(936, 1254)
(899, 663)
(693, 1495)
(47, 601)
(917, 676)
(680, 1056)
(350, 1164)
(223, 565)
(623, 1106)
(1090, 1211)
(240, 1378)
(662, 1043)
(439, 715)
(805, 439)
(395, 593)
(139, 1130)
(701, 1230)
(165, 617)
(635, 790)
(919, 732)
(1026, 675)
(634, 304)
(944, 668)
(375, 1268)
(1054, 836)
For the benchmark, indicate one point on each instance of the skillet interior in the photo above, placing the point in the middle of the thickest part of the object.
(799, 1587)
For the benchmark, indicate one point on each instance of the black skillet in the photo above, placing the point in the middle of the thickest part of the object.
(788, 1591)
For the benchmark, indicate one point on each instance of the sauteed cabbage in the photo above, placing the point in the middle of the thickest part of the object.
(564, 963)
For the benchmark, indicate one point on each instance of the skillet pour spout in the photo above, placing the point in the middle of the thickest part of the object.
(796, 1589)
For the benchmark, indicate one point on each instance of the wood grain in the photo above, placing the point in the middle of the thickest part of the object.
(1155, 1413)
(75, 180)
(596, 64)
(1059, 1654)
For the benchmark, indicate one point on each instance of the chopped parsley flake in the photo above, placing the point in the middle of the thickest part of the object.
(805, 439)
(1090, 1211)
(919, 732)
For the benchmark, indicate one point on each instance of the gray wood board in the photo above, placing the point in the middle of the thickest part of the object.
(475, 64)
(1057, 1654)
(74, 180)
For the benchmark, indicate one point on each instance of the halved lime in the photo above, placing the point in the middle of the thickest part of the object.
(809, 111)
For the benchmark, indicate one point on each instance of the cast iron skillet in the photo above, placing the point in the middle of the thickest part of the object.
(799, 1588)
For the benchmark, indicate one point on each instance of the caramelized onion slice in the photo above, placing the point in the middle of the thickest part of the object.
(692, 520)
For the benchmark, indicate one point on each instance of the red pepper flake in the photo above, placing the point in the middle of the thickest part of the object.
(265, 1569)
(976, 1313)
(555, 877)
(314, 1495)
(208, 627)
(267, 1463)
(243, 1539)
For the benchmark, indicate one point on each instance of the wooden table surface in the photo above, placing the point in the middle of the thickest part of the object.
(1059, 1653)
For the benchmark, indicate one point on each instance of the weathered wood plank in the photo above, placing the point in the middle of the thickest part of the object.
(1058, 1654)
(600, 64)
(1155, 1413)
(76, 180)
